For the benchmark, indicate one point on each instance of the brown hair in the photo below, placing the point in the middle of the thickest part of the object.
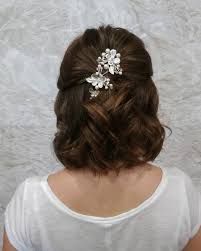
(119, 128)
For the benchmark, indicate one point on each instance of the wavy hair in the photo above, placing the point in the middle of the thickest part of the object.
(119, 128)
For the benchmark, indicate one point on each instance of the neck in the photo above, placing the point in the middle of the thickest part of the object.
(87, 177)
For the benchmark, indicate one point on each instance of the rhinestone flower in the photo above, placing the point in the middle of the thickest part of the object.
(109, 61)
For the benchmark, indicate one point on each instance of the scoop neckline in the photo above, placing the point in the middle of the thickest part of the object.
(91, 218)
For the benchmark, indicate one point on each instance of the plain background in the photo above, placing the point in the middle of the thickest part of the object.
(33, 38)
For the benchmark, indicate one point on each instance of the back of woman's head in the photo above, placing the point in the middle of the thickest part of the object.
(119, 129)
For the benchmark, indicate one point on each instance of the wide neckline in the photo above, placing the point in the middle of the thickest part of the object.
(59, 204)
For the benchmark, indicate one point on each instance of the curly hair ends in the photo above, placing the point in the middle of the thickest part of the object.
(119, 128)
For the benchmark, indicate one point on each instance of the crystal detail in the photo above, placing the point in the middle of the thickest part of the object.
(110, 61)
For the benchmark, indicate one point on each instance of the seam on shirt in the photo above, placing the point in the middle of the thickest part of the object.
(19, 244)
(187, 204)
(11, 238)
(198, 225)
(27, 232)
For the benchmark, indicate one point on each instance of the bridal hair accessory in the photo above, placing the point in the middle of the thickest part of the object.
(109, 61)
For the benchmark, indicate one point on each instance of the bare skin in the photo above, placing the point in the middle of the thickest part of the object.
(108, 196)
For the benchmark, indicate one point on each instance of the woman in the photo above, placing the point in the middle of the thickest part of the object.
(108, 196)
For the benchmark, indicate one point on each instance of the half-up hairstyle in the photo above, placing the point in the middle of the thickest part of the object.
(119, 128)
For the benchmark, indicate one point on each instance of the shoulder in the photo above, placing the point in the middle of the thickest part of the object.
(22, 191)
(177, 174)
(33, 180)
(29, 184)
(180, 180)
(182, 175)
(33, 188)
(16, 214)
(189, 188)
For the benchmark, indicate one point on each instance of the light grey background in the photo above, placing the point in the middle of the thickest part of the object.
(33, 37)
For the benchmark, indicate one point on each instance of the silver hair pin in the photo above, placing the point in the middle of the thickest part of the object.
(109, 61)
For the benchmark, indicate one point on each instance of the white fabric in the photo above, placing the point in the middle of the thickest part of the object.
(35, 219)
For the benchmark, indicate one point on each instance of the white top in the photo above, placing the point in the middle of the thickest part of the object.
(35, 219)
